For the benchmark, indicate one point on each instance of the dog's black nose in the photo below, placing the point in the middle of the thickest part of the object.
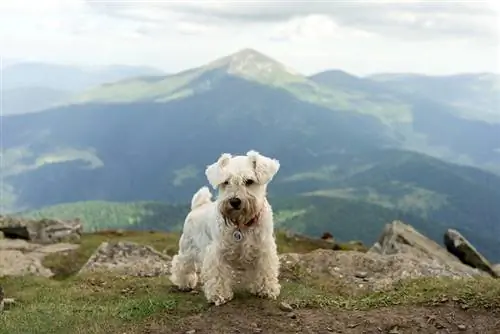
(235, 202)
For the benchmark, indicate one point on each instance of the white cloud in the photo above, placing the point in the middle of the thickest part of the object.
(359, 37)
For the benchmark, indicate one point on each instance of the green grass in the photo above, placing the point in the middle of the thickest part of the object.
(110, 303)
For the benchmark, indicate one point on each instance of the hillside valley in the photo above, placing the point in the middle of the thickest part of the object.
(355, 152)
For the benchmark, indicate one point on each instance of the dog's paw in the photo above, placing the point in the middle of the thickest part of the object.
(218, 300)
(175, 288)
(269, 291)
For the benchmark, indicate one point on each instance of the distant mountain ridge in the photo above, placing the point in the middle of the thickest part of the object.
(31, 86)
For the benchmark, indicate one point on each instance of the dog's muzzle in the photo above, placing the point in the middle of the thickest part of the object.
(239, 212)
(235, 203)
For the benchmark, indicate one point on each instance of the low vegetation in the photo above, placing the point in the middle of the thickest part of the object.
(106, 303)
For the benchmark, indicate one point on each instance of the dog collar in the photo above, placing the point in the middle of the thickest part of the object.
(252, 221)
(238, 234)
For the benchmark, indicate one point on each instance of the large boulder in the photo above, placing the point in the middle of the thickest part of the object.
(21, 258)
(457, 245)
(400, 238)
(128, 258)
(41, 231)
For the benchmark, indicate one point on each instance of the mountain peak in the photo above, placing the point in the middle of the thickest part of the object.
(253, 64)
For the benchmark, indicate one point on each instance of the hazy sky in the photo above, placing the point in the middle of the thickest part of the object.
(361, 37)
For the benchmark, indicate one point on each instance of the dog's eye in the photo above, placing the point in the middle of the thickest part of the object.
(249, 182)
(225, 183)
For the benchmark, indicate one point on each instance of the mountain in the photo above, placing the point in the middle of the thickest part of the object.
(150, 138)
(28, 99)
(67, 77)
(249, 65)
(414, 121)
(455, 118)
(474, 95)
(29, 87)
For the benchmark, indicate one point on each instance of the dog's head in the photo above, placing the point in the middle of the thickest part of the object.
(242, 183)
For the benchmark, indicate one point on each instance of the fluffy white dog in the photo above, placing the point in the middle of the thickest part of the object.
(234, 233)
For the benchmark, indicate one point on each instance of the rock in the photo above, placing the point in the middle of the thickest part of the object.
(20, 258)
(2, 236)
(17, 263)
(128, 258)
(2, 296)
(496, 269)
(326, 241)
(400, 238)
(5, 302)
(41, 231)
(327, 236)
(382, 271)
(285, 307)
(457, 245)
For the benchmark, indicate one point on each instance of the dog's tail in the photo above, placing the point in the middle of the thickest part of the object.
(202, 196)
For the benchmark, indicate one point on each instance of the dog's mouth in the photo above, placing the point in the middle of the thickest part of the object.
(240, 219)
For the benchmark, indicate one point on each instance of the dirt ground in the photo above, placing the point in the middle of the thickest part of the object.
(230, 320)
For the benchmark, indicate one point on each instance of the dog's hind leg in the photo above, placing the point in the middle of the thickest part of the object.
(184, 268)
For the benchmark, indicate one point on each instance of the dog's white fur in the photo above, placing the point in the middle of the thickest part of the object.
(207, 243)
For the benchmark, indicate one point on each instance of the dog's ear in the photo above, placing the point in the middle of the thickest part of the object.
(265, 168)
(215, 172)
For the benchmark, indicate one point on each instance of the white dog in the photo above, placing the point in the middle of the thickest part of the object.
(235, 232)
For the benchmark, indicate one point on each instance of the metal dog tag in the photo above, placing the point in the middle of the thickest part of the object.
(237, 235)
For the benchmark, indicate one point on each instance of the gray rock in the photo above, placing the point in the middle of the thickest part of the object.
(128, 258)
(400, 238)
(42, 231)
(2, 296)
(20, 257)
(285, 307)
(496, 268)
(460, 247)
(382, 271)
(17, 263)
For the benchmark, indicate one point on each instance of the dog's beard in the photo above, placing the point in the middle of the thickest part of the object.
(248, 210)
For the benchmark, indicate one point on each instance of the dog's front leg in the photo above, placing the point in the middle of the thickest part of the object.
(263, 276)
(217, 277)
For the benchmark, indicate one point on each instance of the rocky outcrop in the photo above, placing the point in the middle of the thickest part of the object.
(457, 245)
(128, 258)
(20, 258)
(366, 271)
(41, 231)
(400, 238)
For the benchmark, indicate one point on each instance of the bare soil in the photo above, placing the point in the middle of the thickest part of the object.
(231, 319)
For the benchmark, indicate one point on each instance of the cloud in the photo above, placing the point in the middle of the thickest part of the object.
(397, 19)
(309, 36)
